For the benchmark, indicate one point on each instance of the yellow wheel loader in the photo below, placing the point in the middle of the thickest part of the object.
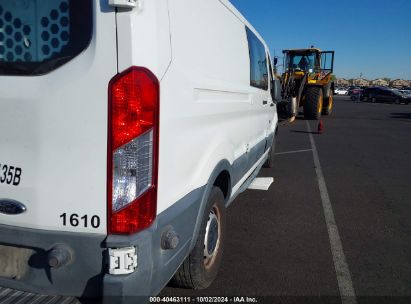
(307, 83)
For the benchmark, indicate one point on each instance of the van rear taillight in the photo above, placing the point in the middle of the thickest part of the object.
(132, 151)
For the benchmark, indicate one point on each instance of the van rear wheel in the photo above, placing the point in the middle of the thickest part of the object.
(200, 268)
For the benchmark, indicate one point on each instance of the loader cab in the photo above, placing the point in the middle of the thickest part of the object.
(301, 62)
(312, 61)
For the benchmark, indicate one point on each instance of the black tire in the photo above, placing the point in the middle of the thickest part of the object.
(313, 103)
(269, 163)
(373, 100)
(397, 101)
(199, 271)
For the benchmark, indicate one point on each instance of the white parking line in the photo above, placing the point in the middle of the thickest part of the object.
(345, 284)
(291, 152)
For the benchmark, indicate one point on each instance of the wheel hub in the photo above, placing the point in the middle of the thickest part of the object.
(211, 238)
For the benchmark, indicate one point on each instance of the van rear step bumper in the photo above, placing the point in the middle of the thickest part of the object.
(11, 296)
(25, 256)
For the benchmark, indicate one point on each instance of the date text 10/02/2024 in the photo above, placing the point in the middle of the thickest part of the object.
(203, 300)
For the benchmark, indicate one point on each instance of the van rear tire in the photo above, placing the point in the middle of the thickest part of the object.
(201, 267)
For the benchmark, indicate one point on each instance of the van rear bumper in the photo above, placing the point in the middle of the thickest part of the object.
(29, 249)
(86, 275)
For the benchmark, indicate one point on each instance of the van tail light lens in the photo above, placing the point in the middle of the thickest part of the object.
(132, 151)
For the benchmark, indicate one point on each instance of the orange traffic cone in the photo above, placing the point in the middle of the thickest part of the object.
(320, 128)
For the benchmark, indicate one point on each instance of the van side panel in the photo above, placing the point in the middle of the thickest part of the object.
(205, 126)
(206, 98)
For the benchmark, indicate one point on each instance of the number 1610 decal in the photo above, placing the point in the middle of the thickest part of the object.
(76, 220)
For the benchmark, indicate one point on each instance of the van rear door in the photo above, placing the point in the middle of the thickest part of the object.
(56, 60)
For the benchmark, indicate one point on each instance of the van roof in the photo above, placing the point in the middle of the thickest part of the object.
(235, 11)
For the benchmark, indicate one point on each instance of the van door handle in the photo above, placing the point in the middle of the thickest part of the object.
(272, 104)
(265, 102)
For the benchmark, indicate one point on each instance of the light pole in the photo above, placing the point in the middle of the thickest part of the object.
(359, 89)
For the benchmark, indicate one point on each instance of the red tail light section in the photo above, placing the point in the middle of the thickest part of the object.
(132, 151)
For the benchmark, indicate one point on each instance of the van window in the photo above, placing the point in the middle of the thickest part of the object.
(37, 37)
(258, 62)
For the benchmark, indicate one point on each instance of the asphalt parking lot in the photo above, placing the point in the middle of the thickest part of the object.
(285, 245)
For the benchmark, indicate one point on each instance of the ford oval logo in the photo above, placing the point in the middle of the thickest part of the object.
(11, 207)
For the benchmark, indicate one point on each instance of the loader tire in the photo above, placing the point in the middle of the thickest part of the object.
(329, 106)
(313, 105)
(200, 268)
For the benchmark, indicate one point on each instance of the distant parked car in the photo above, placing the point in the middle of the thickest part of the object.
(341, 91)
(380, 94)
(405, 91)
(354, 91)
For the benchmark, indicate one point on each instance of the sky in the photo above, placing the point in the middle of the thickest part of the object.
(369, 37)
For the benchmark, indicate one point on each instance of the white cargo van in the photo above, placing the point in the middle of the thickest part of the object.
(126, 129)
